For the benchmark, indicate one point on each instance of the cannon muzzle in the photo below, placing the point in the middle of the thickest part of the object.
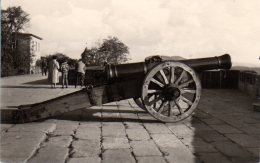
(202, 64)
(141, 68)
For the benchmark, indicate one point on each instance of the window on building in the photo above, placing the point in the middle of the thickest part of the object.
(14, 44)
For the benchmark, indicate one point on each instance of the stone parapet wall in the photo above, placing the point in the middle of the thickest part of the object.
(249, 83)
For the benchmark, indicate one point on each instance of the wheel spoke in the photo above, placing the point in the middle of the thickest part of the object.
(170, 108)
(157, 82)
(172, 75)
(154, 105)
(153, 91)
(161, 108)
(164, 77)
(185, 84)
(188, 91)
(155, 100)
(180, 77)
(178, 106)
(186, 100)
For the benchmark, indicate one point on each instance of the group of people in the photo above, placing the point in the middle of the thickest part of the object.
(54, 69)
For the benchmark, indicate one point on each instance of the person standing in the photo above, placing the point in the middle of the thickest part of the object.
(80, 73)
(64, 71)
(53, 75)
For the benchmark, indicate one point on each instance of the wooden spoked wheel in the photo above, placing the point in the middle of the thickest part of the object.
(171, 91)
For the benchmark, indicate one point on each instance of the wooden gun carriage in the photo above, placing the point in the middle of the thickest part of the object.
(169, 90)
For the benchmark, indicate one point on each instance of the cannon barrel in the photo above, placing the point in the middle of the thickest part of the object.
(141, 68)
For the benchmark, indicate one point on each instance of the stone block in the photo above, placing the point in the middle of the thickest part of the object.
(212, 121)
(233, 150)
(180, 130)
(90, 124)
(197, 145)
(117, 156)
(13, 160)
(179, 155)
(86, 148)
(65, 128)
(137, 134)
(166, 140)
(115, 143)
(62, 141)
(85, 160)
(129, 116)
(155, 159)
(113, 131)
(211, 136)
(88, 133)
(145, 148)
(157, 128)
(200, 127)
(50, 153)
(254, 151)
(244, 140)
(20, 145)
(33, 127)
(133, 125)
(213, 158)
(225, 129)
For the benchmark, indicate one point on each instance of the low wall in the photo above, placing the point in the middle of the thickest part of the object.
(249, 83)
(220, 79)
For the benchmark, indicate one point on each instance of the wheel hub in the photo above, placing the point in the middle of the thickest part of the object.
(171, 93)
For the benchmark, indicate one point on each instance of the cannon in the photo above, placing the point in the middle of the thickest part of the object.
(169, 90)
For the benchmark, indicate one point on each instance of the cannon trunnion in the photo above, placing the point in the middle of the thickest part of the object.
(169, 90)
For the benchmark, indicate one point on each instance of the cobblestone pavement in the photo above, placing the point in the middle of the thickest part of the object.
(224, 129)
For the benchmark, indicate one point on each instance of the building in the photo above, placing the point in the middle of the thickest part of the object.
(28, 45)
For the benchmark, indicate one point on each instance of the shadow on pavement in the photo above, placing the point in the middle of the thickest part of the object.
(83, 115)
(22, 86)
(6, 115)
(38, 82)
(221, 130)
(95, 115)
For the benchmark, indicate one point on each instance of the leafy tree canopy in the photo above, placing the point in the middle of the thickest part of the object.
(60, 58)
(13, 20)
(111, 50)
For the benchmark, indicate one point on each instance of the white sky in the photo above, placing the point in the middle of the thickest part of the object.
(187, 28)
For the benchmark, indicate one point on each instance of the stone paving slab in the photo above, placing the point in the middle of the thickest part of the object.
(50, 153)
(115, 143)
(224, 129)
(117, 156)
(145, 148)
(88, 132)
(150, 159)
(86, 148)
(137, 134)
(85, 160)
(35, 87)
(213, 158)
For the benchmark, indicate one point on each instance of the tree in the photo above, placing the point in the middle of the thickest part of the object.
(111, 50)
(13, 20)
(60, 58)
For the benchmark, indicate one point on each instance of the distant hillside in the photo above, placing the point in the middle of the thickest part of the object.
(176, 58)
(244, 68)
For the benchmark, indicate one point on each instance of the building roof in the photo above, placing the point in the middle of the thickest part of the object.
(28, 34)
